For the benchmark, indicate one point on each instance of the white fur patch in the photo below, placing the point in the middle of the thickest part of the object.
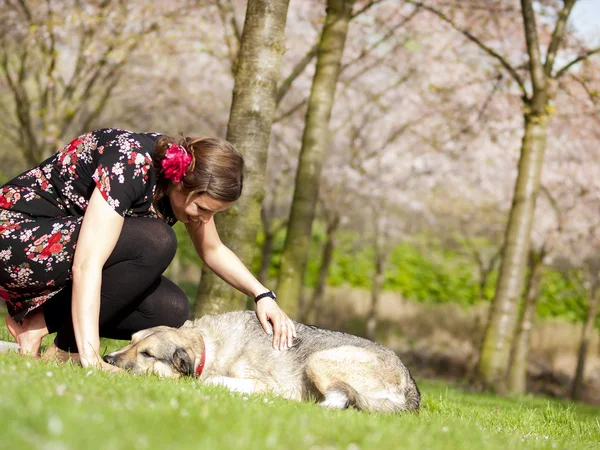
(334, 400)
(233, 384)
(397, 399)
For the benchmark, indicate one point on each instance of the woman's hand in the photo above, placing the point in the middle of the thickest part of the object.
(95, 361)
(106, 367)
(275, 321)
(227, 266)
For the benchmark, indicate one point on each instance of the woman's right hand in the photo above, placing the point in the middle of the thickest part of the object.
(106, 367)
(95, 361)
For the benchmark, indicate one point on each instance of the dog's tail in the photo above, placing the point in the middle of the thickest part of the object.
(402, 397)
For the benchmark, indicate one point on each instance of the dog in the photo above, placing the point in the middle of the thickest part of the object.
(336, 369)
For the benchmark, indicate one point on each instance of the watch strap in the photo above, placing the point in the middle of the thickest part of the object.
(269, 294)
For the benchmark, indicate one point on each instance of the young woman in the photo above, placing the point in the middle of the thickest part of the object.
(86, 235)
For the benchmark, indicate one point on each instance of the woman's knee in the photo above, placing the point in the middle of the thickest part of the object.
(168, 304)
(155, 240)
(174, 311)
(180, 311)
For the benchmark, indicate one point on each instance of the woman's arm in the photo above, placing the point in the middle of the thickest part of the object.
(98, 236)
(222, 261)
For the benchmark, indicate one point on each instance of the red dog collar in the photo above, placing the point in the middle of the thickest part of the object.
(200, 367)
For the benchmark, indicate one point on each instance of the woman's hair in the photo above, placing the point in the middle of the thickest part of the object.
(217, 168)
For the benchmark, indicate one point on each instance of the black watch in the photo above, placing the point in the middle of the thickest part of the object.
(269, 294)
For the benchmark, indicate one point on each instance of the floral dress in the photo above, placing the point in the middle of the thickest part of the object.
(41, 210)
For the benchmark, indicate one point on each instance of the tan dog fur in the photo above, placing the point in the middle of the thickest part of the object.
(334, 368)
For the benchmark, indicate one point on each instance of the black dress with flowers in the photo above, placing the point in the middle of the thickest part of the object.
(41, 210)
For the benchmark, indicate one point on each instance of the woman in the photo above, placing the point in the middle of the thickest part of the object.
(85, 237)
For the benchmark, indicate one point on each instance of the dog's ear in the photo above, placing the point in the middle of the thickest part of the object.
(142, 334)
(182, 362)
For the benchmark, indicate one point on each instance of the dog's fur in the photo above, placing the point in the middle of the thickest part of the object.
(335, 368)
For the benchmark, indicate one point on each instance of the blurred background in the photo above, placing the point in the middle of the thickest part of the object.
(449, 207)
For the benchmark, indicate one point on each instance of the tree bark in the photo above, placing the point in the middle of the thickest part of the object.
(267, 248)
(499, 334)
(267, 251)
(517, 377)
(485, 270)
(314, 144)
(312, 309)
(249, 129)
(376, 288)
(586, 336)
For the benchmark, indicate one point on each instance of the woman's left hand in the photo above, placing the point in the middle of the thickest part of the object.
(275, 321)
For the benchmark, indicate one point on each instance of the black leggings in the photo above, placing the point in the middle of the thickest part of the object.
(134, 294)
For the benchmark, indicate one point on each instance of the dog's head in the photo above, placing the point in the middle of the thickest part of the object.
(164, 351)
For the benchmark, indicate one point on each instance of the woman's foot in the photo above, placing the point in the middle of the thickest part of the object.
(55, 353)
(28, 334)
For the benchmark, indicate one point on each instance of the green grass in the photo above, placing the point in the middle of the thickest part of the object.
(58, 407)
(52, 406)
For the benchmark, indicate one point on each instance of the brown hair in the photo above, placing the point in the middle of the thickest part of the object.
(217, 168)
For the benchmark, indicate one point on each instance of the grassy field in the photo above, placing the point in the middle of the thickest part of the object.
(52, 406)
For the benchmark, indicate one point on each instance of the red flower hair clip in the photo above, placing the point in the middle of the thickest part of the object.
(175, 163)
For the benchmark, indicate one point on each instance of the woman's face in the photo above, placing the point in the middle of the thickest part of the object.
(196, 208)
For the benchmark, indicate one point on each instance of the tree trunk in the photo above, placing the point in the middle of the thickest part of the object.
(249, 129)
(312, 309)
(265, 261)
(485, 270)
(586, 336)
(499, 333)
(314, 143)
(497, 342)
(267, 248)
(376, 288)
(484, 274)
(517, 377)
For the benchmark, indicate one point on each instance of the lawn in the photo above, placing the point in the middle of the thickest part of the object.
(52, 406)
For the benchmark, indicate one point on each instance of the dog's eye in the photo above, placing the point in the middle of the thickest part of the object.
(145, 354)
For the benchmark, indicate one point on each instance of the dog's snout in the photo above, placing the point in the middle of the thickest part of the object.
(110, 360)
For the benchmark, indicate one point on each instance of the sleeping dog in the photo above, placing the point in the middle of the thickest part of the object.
(336, 369)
